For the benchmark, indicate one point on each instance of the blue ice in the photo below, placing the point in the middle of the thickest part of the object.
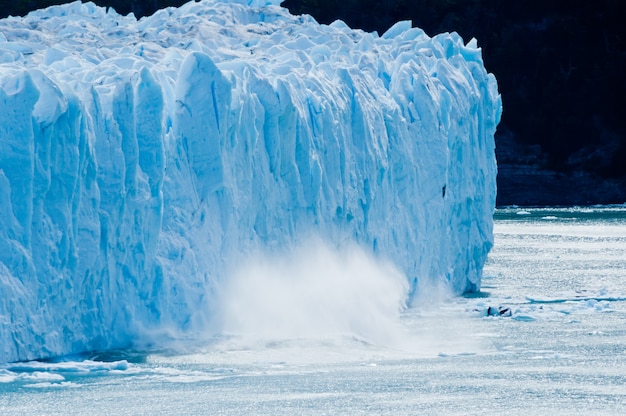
(141, 159)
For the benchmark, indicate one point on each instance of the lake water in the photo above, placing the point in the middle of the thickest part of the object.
(560, 272)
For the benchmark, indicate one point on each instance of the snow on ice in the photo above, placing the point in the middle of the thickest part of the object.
(141, 159)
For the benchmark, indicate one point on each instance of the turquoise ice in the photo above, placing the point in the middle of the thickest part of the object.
(141, 159)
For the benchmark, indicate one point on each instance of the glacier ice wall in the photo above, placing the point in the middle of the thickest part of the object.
(139, 158)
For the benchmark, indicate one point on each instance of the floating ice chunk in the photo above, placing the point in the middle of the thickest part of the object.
(47, 385)
(38, 369)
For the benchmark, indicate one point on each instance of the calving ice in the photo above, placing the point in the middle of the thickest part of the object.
(141, 160)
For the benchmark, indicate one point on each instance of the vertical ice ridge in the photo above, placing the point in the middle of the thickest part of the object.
(198, 120)
(19, 96)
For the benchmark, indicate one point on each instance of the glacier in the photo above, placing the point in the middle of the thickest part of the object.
(140, 159)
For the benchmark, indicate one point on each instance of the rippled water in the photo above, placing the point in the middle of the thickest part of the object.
(561, 272)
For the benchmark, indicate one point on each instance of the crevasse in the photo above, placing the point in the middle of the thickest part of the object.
(140, 158)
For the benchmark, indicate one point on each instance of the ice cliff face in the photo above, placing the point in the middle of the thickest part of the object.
(138, 159)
